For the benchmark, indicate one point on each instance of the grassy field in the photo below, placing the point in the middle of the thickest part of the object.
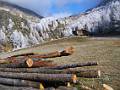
(106, 51)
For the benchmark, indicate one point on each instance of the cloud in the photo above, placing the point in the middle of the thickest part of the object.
(42, 7)
(47, 7)
(61, 3)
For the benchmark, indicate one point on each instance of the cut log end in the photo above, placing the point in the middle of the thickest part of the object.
(74, 78)
(69, 50)
(29, 62)
(99, 73)
(68, 84)
(41, 87)
(106, 87)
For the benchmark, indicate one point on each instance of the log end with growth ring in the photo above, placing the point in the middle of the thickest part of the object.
(74, 78)
(106, 87)
(29, 62)
(67, 51)
(99, 73)
(70, 50)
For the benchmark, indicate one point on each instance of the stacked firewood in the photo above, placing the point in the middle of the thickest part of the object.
(30, 71)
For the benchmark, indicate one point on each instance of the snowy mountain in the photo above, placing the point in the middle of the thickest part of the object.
(100, 20)
(21, 32)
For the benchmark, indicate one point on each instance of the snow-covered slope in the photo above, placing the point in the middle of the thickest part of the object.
(100, 20)
(19, 32)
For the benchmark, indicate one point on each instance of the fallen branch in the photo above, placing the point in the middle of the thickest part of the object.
(40, 77)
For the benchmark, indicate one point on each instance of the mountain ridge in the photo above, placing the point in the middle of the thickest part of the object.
(17, 10)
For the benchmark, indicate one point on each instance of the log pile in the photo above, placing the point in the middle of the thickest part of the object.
(29, 70)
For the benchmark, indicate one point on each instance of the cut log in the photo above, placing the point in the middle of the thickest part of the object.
(42, 64)
(21, 64)
(12, 60)
(40, 77)
(26, 62)
(5, 87)
(87, 73)
(66, 52)
(48, 55)
(75, 65)
(19, 82)
(79, 73)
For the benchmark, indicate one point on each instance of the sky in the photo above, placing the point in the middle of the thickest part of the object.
(56, 7)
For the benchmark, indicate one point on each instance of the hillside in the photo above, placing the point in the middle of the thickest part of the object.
(19, 11)
(104, 19)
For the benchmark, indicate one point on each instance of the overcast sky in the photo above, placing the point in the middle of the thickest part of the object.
(56, 7)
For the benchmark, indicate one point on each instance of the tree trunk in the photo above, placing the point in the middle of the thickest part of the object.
(79, 73)
(40, 77)
(75, 65)
(20, 64)
(42, 64)
(19, 82)
(5, 87)
(66, 52)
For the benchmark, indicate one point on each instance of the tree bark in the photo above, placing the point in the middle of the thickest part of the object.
(79, 73)
(19, 82)
(19, 64)
(26, 62)
(5, 87)
(87, 73)
(75, 65)
(42, 64)
(40, 77)
(48, 55)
